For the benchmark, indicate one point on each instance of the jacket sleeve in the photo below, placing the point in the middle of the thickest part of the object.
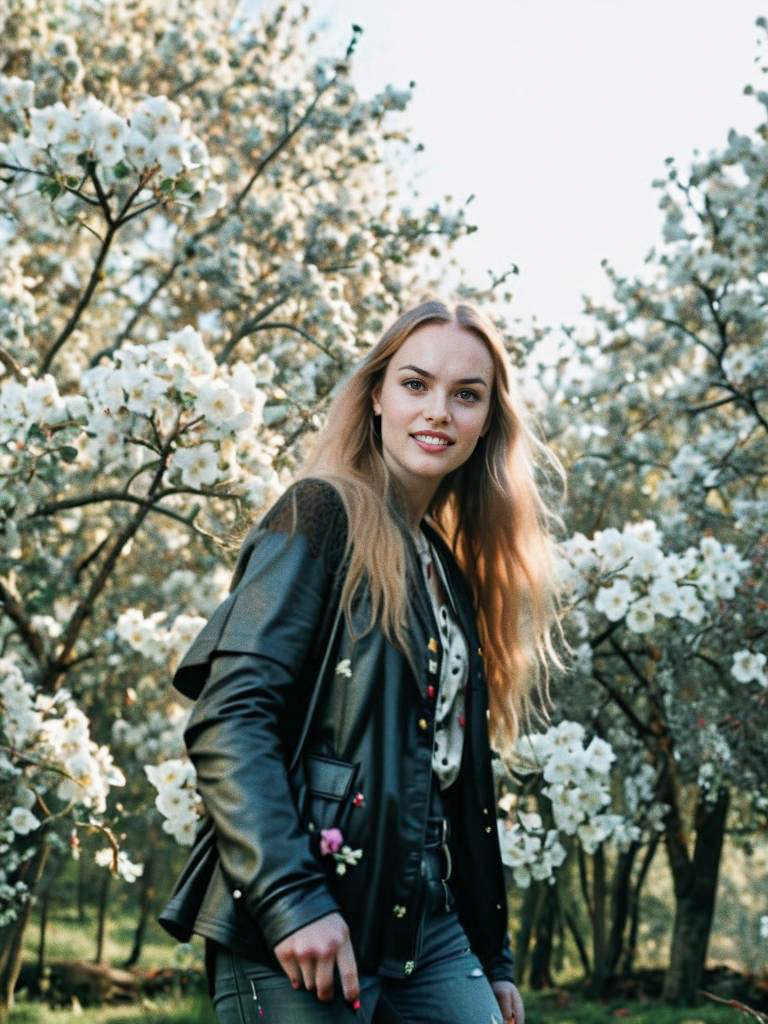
(501, 966)
(244, 668)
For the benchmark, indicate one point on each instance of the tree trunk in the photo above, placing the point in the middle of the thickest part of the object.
(695, 884)
(620, 903)
(146, 902)
(525, 931)
(55, 864)
(81, 887)
(541, 960)
(628, 960)
(600, 969)
(101, 927)
(580, 944)
(12, 936)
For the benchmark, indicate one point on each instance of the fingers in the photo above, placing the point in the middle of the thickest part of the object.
(350, 982)
(505, 1005)
(291, 968)
(310, 955)
(324, 978)
(307, 967)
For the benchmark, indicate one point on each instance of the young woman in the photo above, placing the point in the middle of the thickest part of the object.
(389, 616)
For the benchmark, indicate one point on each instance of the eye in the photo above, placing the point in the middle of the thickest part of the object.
(464, 391)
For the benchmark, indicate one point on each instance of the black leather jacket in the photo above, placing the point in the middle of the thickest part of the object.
(255, 873)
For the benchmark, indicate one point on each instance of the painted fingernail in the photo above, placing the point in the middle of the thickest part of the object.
(356, 1004)
(294, 983)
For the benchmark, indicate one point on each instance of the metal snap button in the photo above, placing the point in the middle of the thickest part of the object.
(488, 828)
(236, 894)
(398, 910)
(423, 724)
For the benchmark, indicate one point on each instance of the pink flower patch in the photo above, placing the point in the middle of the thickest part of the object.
(331, 840)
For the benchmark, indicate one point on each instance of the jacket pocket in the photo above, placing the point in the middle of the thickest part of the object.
(325, 792)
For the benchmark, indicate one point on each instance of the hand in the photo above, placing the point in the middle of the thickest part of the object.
(311, 953)
(510, 1002)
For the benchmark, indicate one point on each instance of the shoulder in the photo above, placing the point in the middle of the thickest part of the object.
(314, 508)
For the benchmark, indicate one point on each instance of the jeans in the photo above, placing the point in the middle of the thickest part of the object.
(447, 984)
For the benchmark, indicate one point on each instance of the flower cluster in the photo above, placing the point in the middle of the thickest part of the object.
(177, 799)
(147, 635)
(64, 141)
(577, 791)
(332, 844)
(119, 863)
(157, 735)
(646, 583)
(749, 666)
(171, 389)
(49, 756)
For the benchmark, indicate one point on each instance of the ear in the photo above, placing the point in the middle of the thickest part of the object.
(375, 394)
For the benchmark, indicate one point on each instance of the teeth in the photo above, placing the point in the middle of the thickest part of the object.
(431, 440)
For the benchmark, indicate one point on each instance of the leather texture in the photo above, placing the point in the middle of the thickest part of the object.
(256, 872)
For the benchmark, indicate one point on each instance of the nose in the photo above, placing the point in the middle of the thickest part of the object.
(438, 409)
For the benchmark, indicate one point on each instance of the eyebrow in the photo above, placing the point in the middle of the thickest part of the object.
(431, 376)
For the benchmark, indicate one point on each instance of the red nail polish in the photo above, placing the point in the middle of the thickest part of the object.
(356, 1004)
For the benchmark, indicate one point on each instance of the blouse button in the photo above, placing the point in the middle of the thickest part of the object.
(423, 724)
(237, 894)
(488, 828)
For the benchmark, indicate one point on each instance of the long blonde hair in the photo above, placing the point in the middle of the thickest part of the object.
(489, 511)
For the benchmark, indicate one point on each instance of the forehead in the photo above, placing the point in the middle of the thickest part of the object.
(445, 349)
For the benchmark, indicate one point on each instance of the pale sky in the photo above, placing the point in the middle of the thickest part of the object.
(557, 115)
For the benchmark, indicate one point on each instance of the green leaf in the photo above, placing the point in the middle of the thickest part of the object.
(121, 170)
(50, 188)
(68, 453)
(184, 185)
(166, 185)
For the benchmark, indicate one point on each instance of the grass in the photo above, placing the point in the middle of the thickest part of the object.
(549, 1007)
(196, 1010)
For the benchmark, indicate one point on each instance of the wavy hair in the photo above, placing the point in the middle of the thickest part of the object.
(489, 511)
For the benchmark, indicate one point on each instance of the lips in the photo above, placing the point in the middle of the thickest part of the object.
(438, 437)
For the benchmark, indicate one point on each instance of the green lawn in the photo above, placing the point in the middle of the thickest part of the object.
(541, 1008)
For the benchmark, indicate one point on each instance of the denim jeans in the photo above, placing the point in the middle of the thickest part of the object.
(447, 986)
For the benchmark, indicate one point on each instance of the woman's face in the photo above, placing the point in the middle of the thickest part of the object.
(440, 380)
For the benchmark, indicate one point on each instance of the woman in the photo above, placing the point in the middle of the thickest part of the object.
(348, 865)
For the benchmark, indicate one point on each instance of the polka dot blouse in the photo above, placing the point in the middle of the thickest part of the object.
(451, 692)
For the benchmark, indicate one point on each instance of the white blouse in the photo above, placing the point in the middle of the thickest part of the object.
(451, 702)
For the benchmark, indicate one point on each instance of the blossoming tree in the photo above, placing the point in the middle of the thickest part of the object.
(200, 235)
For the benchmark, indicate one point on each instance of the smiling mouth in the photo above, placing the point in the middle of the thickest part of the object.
(436, 444)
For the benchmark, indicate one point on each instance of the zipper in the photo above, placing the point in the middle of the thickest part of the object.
(411, 963)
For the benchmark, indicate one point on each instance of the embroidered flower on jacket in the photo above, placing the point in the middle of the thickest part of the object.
(332, 844)
(344, 668)
(330, 840)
